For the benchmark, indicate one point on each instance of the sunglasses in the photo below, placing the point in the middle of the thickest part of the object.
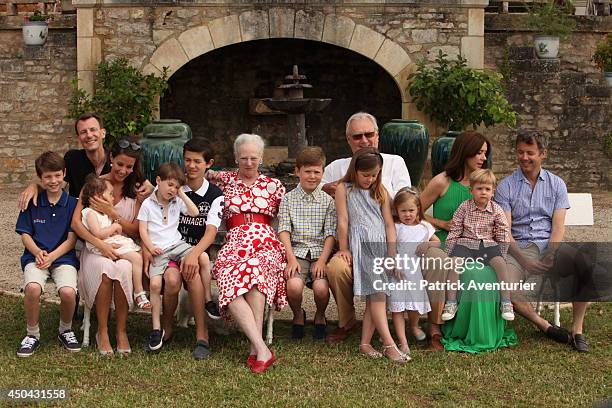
(124, 144)
(359, 136)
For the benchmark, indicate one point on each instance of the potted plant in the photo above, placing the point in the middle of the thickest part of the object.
(123, 95)
(35, 28)
(553, 22)
(603, 58)
(456, 97)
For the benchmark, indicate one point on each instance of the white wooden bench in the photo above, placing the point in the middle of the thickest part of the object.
(579, 213)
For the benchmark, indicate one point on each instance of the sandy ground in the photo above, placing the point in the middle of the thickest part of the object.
(11, 247)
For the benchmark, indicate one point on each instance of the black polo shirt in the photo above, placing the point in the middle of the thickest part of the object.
(78, 167)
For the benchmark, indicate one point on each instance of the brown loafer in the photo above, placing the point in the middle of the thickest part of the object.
(340, 334)
(434, 343)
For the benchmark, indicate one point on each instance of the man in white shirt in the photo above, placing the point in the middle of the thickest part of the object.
(361, 131)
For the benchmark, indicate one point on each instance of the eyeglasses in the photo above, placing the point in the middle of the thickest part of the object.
(358, 136)
(124, 144)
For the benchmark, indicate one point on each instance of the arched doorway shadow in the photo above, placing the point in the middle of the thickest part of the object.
(214, 93)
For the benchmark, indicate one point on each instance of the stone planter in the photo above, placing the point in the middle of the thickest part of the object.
(35, 32)
(608, 75)
(408, 139)
(163, 142)
(546, 46)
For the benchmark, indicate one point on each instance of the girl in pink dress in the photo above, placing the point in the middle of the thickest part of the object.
(249, 267)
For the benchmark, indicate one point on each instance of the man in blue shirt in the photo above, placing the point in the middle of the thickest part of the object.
(49, 252)
(535, 202)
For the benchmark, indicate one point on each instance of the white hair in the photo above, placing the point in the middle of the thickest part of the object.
(248, 138)
(361, 115)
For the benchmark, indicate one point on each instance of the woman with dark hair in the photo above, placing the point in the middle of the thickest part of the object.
(101, 280)
(451, 187)
(478, 326)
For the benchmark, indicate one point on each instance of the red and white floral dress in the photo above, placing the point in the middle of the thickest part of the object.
(252, 255)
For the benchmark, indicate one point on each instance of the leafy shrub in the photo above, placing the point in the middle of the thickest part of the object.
(455, 96)
(603, 54)
(123, 96)
(552, 19)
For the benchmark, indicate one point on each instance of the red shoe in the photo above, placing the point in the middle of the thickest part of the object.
(261, 366)
(435, 342)
(251, 360)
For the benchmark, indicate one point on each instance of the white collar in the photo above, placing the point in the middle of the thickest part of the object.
(200, 191)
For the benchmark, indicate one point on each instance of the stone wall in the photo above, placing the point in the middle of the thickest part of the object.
(34, 94)
(567, 98)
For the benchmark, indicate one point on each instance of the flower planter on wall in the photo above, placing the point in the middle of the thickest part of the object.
(546, 46)
(35, 32)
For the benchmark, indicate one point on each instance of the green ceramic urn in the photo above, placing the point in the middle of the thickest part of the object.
(163, 142)
(440, 151)
(408, 139)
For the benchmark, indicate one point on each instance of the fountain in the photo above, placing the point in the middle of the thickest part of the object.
(295, 106)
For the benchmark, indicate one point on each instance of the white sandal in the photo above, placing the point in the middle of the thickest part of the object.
(141, 300)
(371, 353)
(401, 359)
(404, 349)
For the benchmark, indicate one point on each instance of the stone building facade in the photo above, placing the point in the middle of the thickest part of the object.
(381, 39)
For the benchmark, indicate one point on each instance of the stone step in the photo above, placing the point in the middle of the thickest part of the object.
(521, 53)
(543, 66)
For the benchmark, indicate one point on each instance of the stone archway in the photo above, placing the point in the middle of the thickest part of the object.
(285, 23)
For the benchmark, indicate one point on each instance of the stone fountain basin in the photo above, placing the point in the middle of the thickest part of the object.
(296, 106)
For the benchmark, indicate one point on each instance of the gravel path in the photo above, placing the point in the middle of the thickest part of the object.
(11, 275)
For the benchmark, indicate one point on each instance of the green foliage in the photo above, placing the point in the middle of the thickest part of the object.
(607, 144)
(39, 16)
(455, 96)
(603, 54)
(552, 19)
(123, 96)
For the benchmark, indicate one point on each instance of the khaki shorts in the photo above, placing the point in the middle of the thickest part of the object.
(305, 271)
(530, 251)
(175, 253)
(62, 275)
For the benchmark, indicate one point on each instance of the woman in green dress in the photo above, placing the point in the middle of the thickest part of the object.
(478, 325)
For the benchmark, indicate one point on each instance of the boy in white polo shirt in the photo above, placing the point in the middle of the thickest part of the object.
(159, 220)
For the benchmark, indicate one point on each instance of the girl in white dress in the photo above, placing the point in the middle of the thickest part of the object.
(102, 227)
(411, 230)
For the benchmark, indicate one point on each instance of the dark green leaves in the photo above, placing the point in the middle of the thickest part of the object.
(124, 97)
(549, 18)
(456, 96)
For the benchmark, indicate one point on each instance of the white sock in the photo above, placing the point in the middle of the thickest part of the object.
(33, 331)
(64, 326)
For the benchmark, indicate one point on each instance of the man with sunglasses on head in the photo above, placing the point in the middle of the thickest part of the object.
(361, 131)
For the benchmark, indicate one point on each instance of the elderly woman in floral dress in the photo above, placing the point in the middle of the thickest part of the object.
(249, 267)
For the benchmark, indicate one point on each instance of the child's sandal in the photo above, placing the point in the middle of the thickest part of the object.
(141, 300)
(404, 349)
(401, 358)
(419, 335)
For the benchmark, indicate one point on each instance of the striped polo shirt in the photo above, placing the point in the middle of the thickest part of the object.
(532, 210)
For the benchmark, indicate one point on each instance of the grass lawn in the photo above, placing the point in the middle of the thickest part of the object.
(537, 372)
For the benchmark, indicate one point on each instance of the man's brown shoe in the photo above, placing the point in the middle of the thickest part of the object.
(435, 342)
(340, 334)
